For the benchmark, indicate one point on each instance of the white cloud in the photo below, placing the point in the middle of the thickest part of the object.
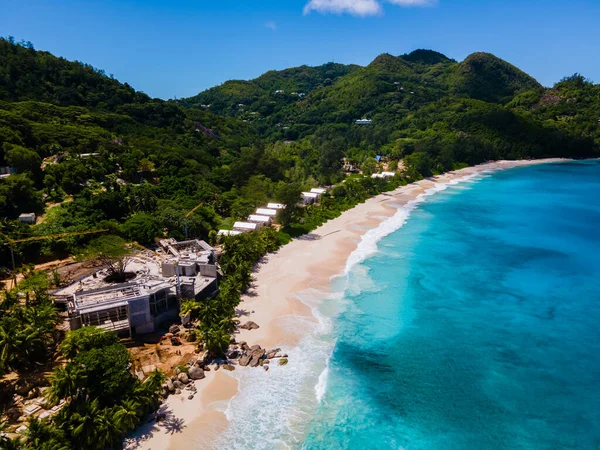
(271, 25)
(355, 7)
(361, 8)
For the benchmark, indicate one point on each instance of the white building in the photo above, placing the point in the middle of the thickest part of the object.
(309, 198)
(261, 220)
(319, 191)
(275, 206)
(245, 227)
(363, 122)
(383, 175)
(27, 218)
(228, 233)
(266, 212)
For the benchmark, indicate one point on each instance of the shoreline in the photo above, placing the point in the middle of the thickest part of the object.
(307, 263)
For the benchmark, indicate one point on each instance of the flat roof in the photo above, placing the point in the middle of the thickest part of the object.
(310, 194)
(318, 190)
(276, 205)
(266, 212)
(257, 218)
(228, 233)
(245, 225)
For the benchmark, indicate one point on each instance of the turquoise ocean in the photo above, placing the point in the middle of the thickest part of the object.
(470, 320)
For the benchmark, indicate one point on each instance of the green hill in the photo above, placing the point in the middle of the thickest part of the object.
(137, 165)
(268, 93)
(483, 76)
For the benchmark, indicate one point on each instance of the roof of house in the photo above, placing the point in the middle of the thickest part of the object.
(245, 225)
(276, 205)
(228, 233)
(318, 190)
(257, 218)
(266, 212)
(310, 194)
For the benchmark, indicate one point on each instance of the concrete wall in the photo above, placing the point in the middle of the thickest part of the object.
(168, 269)
(139, 315)
(208, 270)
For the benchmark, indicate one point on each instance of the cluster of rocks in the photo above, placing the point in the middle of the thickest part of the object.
(255, 356)
(183, 380)
(177, 334)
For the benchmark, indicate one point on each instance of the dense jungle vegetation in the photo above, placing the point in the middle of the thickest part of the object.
(91, 152)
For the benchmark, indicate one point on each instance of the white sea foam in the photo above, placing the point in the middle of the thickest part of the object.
(368, 244)
(273, 409)
(321, 386)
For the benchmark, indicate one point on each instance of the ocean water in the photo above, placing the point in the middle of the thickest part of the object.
(471, 320)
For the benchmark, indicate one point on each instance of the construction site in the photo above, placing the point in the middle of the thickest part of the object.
(152, 297)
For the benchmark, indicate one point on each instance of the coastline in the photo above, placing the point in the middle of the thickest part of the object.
(306, 263)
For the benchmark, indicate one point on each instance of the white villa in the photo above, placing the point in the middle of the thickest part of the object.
(228, 233)
(310, 197)
(245, 227)
(383, 175)
(261, 220)
(27, 218)
(275, 206)
(266, 212)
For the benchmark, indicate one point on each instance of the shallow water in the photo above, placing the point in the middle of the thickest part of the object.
(476, 325)
(472, 326)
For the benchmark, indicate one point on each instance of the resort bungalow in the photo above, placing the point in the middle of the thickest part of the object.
(27, 218)
(228, 233)
(245, 227)
(275, 206)
(383, 175)
(5, 172)
(309, 198)
(319, 191)
(363, 122)
(266, 212)
(261, 220)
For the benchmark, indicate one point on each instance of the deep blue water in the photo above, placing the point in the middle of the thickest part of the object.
(477, 324)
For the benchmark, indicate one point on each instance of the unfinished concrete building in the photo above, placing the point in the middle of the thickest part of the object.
(177, 270)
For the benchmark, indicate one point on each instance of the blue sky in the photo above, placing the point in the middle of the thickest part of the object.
(178, 48)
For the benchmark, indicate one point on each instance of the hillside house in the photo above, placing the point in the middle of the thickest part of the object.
(228, 233)
(308, 198)
(27, 218)
(266, 212)
(261, 220)
(245, 227)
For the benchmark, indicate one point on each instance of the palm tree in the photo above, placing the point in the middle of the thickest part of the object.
(92, 427)
(41, 435)
(65, 382)
(7, 443)
(216, 340)
(127, 416)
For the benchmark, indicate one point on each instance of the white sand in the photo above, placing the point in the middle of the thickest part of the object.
(307, 262)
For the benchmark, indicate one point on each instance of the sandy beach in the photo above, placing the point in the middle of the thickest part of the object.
(307, 262)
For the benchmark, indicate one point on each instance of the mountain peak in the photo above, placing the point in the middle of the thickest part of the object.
(425, 56)
(484, 76)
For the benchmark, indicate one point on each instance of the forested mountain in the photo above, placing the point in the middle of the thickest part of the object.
(112, 157)
(427, 101)
(269, 93)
